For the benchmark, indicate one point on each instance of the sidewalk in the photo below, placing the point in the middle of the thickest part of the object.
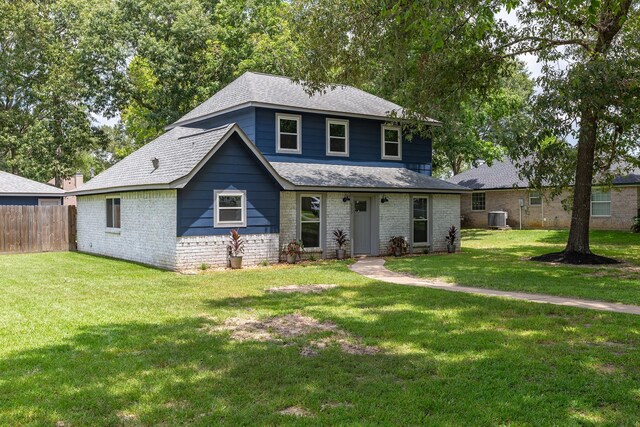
(374, 268)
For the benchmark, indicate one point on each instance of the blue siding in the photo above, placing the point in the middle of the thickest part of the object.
(245, 118)
(364, 142)
(233, 166)
(23, 201)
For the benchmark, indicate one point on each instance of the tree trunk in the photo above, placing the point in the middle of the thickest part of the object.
(579, 232)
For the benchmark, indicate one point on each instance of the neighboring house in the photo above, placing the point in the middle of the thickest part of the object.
(70, 184)
(16, 190)
(499, 188)
(263, 156)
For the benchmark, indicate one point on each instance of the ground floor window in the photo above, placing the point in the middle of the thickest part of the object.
(230, 208)
(535, 198)
(113, 212)
(420, 220)
(478, 201)
(600, 202)
(310, 219)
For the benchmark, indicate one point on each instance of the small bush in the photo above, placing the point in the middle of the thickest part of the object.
(312, 257)
(264, 263)
(204, 266)
(636, 225)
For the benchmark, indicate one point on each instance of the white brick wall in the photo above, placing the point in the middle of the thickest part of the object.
(445, 212)
(395, 219)
(148, 227)
(193, 251)
(288, 217)
(338, 215)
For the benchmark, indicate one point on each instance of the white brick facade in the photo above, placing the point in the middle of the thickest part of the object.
(445, 210)
(394, 216)
(338, 215)
(395, 219)
(148, 227)
(193, 251)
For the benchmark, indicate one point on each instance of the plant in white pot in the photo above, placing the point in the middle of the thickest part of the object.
(341, 239)
(236, 248)
(451, 239)
(293, 250)
(398, 246)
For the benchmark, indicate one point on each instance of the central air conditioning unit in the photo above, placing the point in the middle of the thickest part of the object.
(498, 219)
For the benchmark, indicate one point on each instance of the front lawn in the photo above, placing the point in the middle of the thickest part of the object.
(499, 260)
(93, 341)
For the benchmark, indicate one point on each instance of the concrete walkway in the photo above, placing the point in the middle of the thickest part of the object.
(374, 268)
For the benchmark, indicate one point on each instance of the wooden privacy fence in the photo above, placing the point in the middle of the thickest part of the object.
(37, 228)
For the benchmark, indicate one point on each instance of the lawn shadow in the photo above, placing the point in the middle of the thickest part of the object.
(446, 359)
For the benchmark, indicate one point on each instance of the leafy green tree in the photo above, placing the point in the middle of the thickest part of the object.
(483, 126)
(44, 123)
(435, 56)
(164, 57)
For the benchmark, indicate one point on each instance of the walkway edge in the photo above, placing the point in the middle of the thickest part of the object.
(374, 268)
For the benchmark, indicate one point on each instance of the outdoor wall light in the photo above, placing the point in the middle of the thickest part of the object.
(384, 199)
(346, 198)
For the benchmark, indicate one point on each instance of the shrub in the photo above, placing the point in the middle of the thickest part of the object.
(398, 244)
(636, 225)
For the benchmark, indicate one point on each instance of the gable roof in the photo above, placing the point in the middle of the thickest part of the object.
(266, 90)
(363, 178)
(504, 175)
(181, 153)
(14, 185)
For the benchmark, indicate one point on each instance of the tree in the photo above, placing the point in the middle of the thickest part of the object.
(44, 124)
(593, 95)
(432, 56)
(482, 127)
(161, 58)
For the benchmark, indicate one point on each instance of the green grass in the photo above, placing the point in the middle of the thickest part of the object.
(93, 341)
(499, 260)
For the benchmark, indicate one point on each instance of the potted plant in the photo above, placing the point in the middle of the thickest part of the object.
(398, 246)
(451, 239)
(293, 250)
(341, 239)
(235, 248)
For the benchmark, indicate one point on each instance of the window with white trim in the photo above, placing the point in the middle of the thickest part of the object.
(113, 213)
(391, 143)
(535, 198)
(288, 133)
(420, 220)
(310, 220)
(49, 202)
(230, 208)
(337, 137)
(478, 201)
(600, 202)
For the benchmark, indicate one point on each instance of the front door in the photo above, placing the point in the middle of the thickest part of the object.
(362, 226)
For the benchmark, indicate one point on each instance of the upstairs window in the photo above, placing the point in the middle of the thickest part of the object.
(230, 208)
(337, 137)
(288, 134)
(113, 213)
(535, 198)
(478, 201)
(391, 143)
(600, 202)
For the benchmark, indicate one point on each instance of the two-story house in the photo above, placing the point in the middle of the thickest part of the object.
(266, 158)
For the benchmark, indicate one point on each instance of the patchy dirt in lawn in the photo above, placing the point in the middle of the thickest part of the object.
(283, 329)
(303, 289)
(296, 411)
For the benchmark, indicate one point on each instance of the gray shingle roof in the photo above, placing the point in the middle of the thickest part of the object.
(505, 175)
(258, 88)
(17, 185)
(179, 151)
(361, 177)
